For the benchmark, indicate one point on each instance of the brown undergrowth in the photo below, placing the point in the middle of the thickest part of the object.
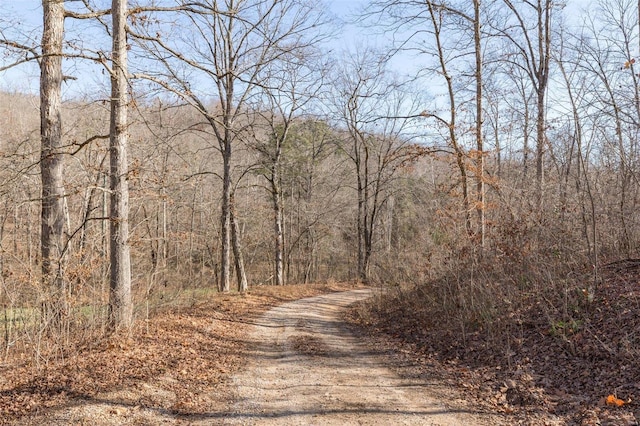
(193, 349)
(534, 345)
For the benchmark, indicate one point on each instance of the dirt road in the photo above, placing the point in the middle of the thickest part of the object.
(308, 369)
(298, 364)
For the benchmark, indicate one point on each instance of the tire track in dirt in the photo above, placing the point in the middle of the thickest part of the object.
(308, 369)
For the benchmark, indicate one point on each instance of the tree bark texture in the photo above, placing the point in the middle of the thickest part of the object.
(120, 303)
(480, 207)
(241, 275)
(225, 219)
(51, 162)
(278, 218)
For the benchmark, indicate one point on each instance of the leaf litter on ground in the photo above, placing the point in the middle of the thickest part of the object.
(177, 361)
(544, 376)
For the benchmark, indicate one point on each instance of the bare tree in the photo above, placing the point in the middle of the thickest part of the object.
(606, 64)
(377, 113)
(54, 242)
(437, 32)
(532, 53)
(227, 44)
(120, 303)
(476, 21)
(288, 89)
(450, 123)
(53, 239)
(577, 93)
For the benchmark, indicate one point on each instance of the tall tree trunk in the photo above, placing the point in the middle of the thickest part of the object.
(120, 303)
(367, 223)
(480, 207)
(525, 135)
(360, 221)
(452, 123)
(226, 89)
(542, 77)
(540, 142)
(278, 214)
(51, 162)
(241, 274)
(225, 255)
(536, 53)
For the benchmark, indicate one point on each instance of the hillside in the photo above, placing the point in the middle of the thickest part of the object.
(562, 371)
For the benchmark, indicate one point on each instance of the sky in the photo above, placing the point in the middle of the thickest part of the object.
(27, 14)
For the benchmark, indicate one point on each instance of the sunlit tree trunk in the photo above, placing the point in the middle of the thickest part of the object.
(120, 303)
(51, 162)
(241, 275)
(225, 218)
(278, 213)
(536, 55)
(480, 205)
(459, 153)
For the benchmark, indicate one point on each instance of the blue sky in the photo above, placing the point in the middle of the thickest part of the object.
(26, 14)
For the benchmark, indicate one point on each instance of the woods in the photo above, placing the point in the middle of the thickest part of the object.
(486, 154)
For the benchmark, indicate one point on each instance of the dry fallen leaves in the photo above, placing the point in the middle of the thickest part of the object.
(613, 401)
(187, 351)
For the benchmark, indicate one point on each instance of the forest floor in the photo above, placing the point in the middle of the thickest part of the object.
(226, 361)
(175, 367)
(187, 366)
(581, 369)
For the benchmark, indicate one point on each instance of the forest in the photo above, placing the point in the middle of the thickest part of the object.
(482, 163)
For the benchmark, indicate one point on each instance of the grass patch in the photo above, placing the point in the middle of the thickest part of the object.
(16, 316)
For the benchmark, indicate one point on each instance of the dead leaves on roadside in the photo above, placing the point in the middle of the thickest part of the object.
(187, 353)
(613, 401)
